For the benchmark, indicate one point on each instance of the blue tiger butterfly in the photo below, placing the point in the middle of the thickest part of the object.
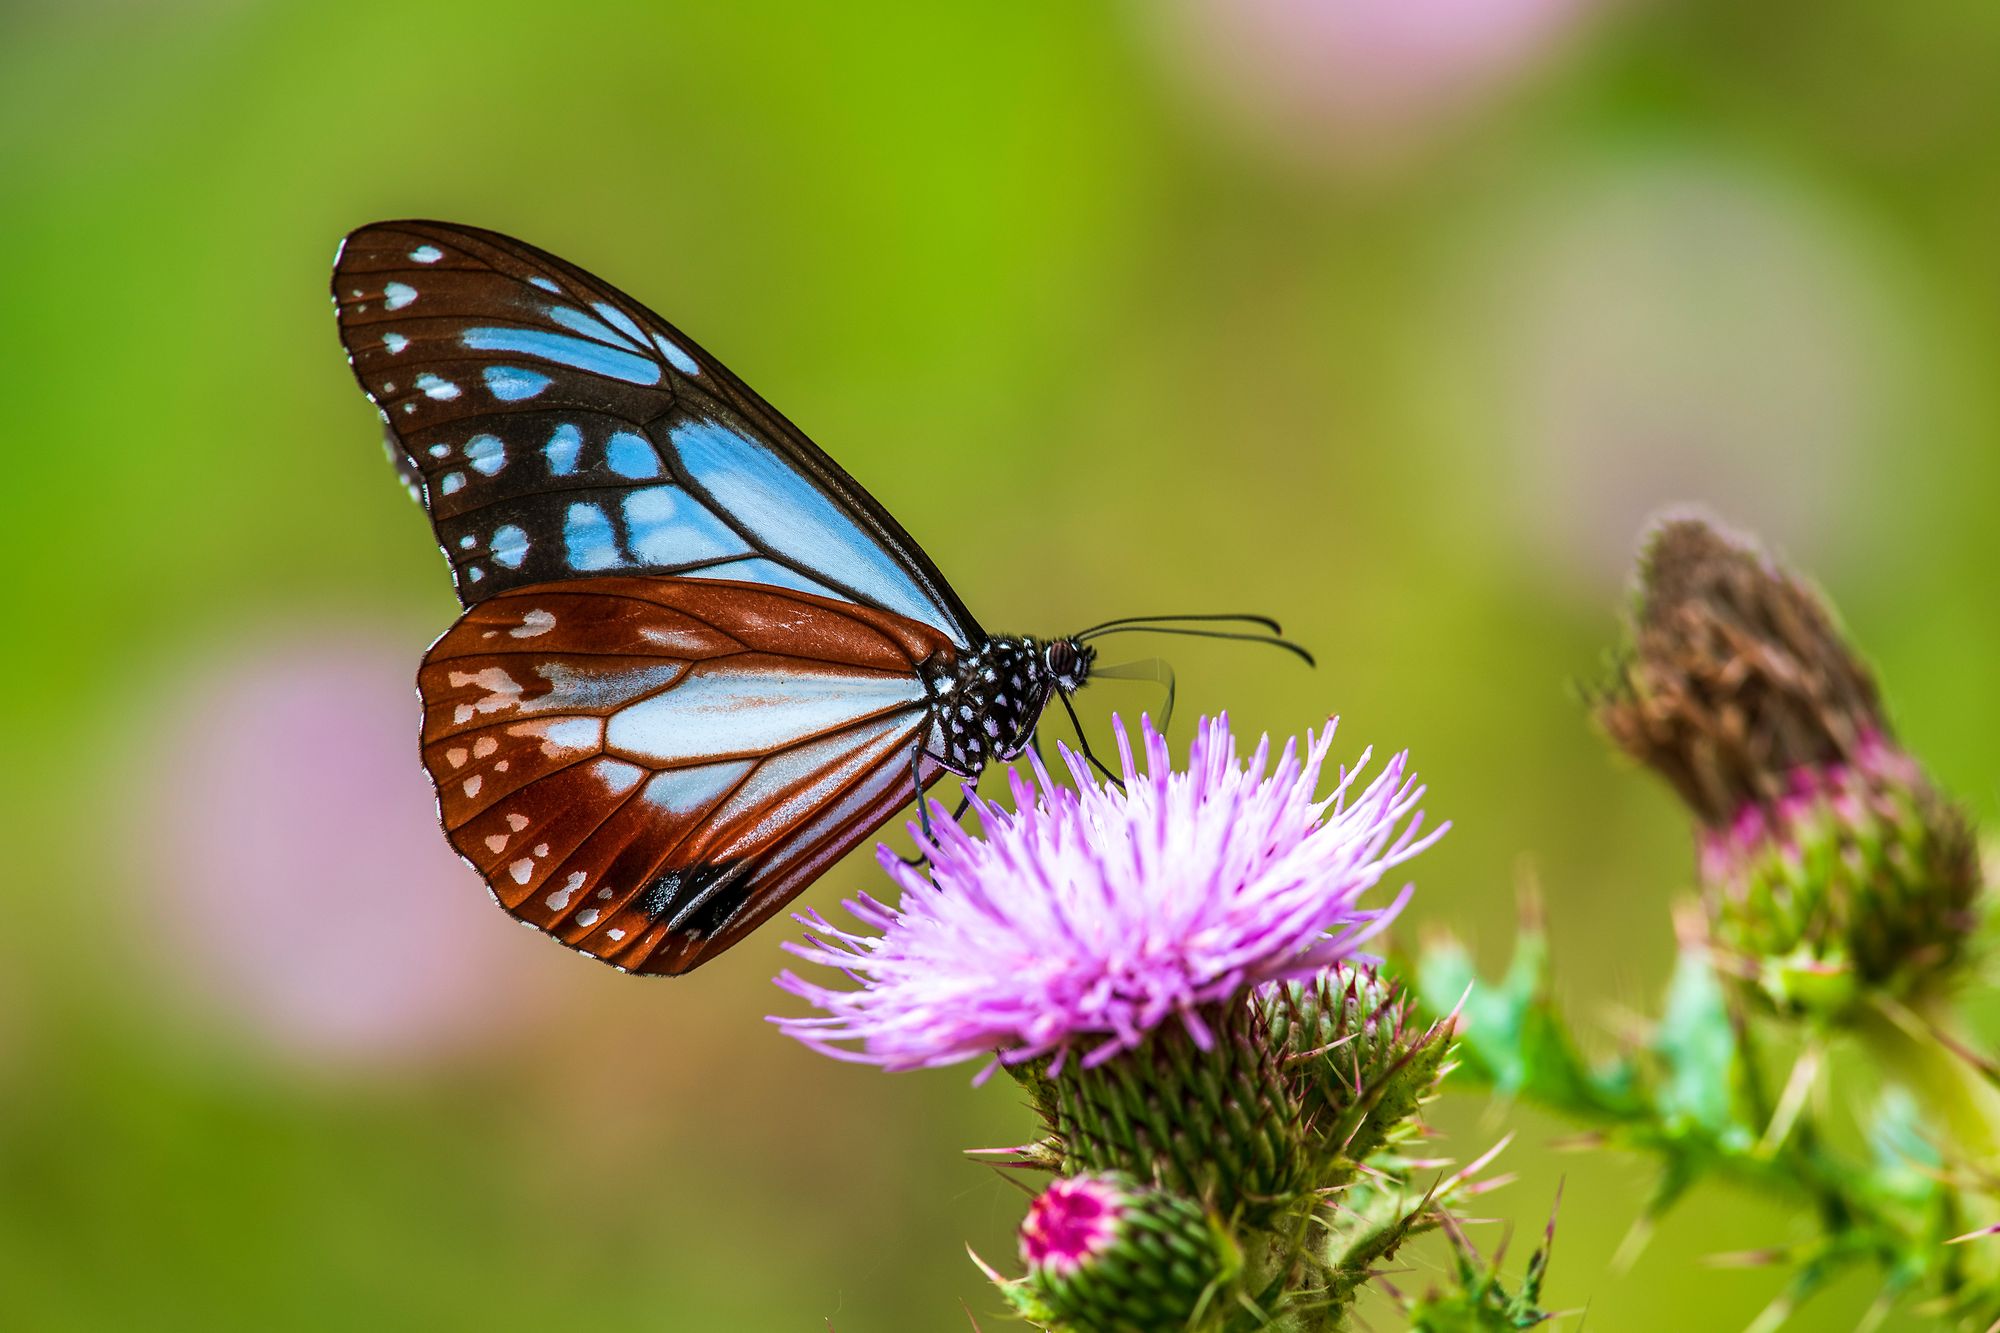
(698, 662)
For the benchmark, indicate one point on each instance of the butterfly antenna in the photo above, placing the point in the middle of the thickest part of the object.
(1238, 618)
(1271, 639)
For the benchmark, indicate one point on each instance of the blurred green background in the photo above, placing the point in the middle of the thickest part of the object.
(1392, 320)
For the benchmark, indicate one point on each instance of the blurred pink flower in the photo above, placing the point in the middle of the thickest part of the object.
(299, 878)
(1341, 80)
(1673, 328)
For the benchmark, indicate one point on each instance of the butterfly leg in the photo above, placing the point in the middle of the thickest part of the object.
(1084, 742)
(923, 804)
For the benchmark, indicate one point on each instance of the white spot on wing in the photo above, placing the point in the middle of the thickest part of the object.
(397, 295)
(509, 545)
(427, 254)
(559, 900)
(521, 870)
(617, 777)
(533, 623)
(486, 453)
(502, 691)
(570, 733)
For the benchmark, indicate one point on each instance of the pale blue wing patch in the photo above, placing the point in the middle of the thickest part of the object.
(713, 713)
(631, 455)
(866, 764)
(548, 495)
(511, 384)
(486, 454)
(688, 791)
(621, 321)
(561, 349)
(756, 569)
(666, 526)
(510, 545)
(564, 444)
(676, 355)
(590, 544)
(789, 517)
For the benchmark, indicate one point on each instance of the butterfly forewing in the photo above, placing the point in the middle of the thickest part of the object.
(646, 768)
(560, 430)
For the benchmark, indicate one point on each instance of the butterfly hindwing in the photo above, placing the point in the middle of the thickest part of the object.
(646, 768)
(560, 430)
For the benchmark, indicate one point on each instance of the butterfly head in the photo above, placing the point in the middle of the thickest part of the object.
(1068, 663)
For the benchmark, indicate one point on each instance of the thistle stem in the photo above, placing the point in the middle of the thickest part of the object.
(1918, 1046)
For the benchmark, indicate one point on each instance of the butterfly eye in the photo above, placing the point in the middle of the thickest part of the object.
(1068, 662)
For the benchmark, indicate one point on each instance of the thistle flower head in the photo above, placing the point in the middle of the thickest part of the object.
(1086, 917)
(1737, 677)
(1832, 866)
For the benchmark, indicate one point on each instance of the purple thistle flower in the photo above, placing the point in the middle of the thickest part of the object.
(1086, 917)
(1070, 1223)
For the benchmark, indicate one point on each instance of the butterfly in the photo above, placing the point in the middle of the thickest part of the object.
(698, 663)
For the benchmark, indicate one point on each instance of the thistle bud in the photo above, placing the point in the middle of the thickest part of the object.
(1831, 866)
(1106, 1254)
(1362, 1061)
(1219, 1122)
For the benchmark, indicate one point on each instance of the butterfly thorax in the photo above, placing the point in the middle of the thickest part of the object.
(986, 705)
